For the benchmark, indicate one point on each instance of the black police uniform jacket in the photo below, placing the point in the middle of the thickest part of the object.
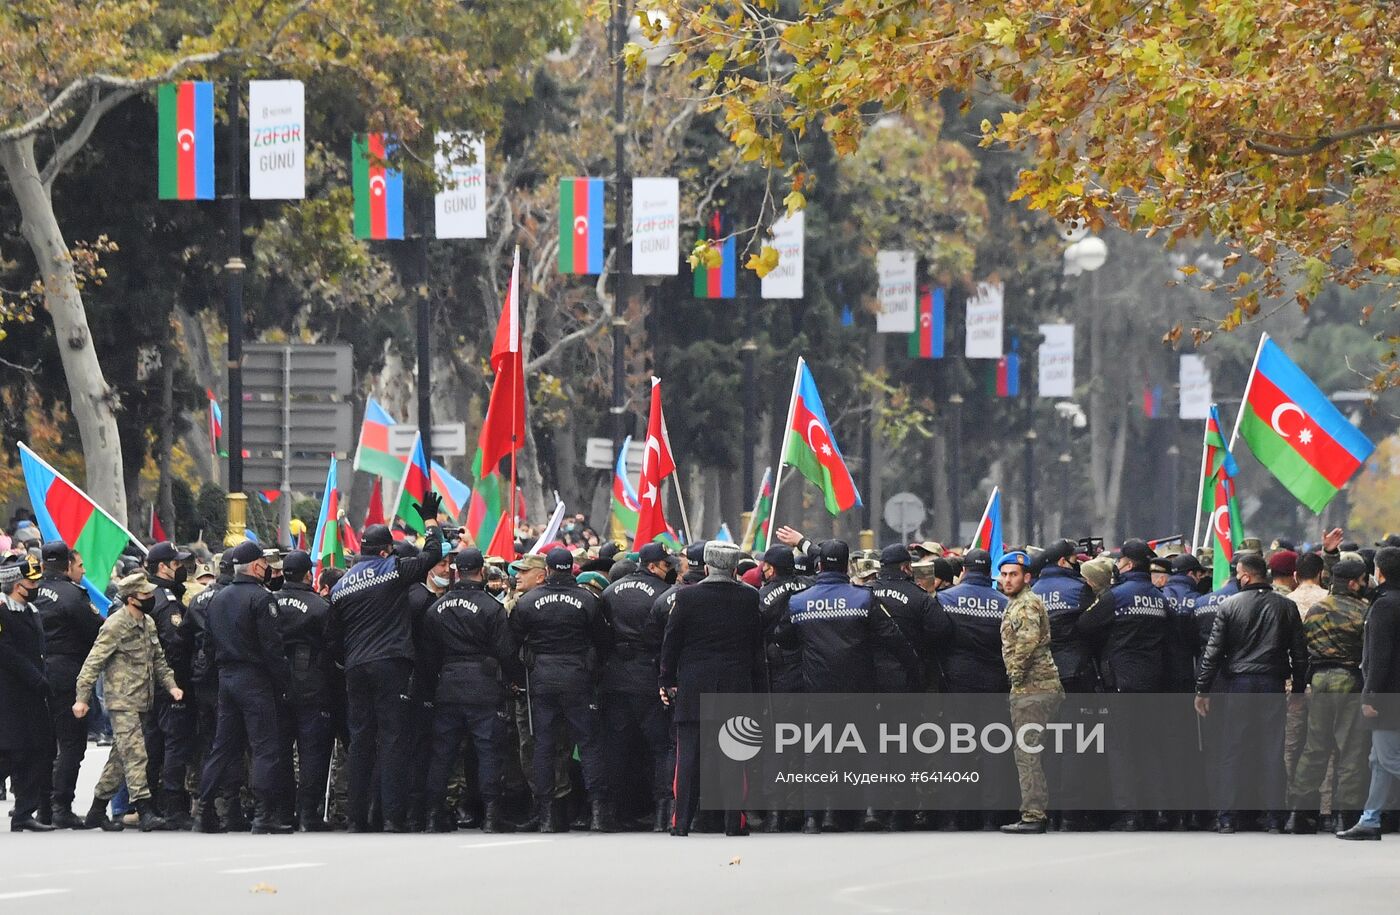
(1066, 596)
(243, 631)
(1134, 630)
(1181, 595)
(972, 661)
(24, 705)
(204, 674)
(70, 627)
(1380, 659)
(784, 663)
(172, 625)
(370, 621)
(302, 617)
(562, 633)
(904, 648)
(630, 664)
(469, 653)
(417, 599)
(713, 643)
(835, 624)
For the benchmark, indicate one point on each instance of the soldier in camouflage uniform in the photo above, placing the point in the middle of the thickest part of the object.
(128, 657)
(1036, 692)
(1334, 630)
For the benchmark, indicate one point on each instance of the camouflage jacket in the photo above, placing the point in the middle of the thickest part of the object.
(1025, 646)
(1334, 630)
(128, 657)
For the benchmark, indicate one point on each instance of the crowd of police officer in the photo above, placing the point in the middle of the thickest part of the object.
(433, 688)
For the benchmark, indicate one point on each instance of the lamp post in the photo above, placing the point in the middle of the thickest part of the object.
(749, 351)
(233, 302)
(617, 38)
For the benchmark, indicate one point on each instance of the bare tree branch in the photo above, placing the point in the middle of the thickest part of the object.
(70, 147)
(1324, 141)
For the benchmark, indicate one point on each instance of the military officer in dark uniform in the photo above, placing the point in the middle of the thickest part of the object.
(170, 728)
(418, 740)
(71, 625)
(903, 651)
(374, 632)
(204, 680)
(26, 729)
(305, 721)
(473, 665)
(713, 644)
(628, 700)
(563, 633)
(253, 678)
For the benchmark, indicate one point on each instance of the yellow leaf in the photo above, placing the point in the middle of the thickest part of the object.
(764, 262)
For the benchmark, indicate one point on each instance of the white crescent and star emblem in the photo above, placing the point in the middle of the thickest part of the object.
(1305, 435)
(376, 185)
(925, 320)
(650, 494)
(185, 138)
(580, 225)
(824, 449)
(1221, 514)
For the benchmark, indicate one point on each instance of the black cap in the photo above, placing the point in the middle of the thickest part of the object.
(695, 553)
(978, 562)
(244, 553)
(376, 537)
(780, 558)
(1387, 540)
(1160, 564)
(608, 551)
(803, 561)
(56, 551)
(559, 560)
(469, 559)
(1137, 551)
(895, 554)
(652, 552)
(833, 553)
(1348, 570)
(296, 564)
(943, 569)
(165, 551)
(1185, 562)
(1063, 548)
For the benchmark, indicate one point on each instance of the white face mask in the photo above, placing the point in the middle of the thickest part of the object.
(441, 582)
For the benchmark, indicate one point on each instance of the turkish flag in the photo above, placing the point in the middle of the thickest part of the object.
(657, 465)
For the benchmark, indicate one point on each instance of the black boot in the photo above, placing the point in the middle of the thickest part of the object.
(600, 817)
(45, 812)
(235, 820)
(1301, 824)
(150, 821)
(873, 821)
(662, 820)
(439, 820)
(97, 816)
(64, 818)
(29, 823)
(311, 819)
(774, 823)
(177, 810)
(206, 819)
(1025, 828)
(466, 816)
(830, 822)
(812, 826)
(491, 818)
(549, 819)
(266, 822)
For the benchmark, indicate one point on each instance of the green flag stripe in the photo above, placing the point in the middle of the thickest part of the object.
(1292, 470)
(379, 463)
(800, 456)
(359, 174)
(566, 222)
(166, 155)
(100, 543)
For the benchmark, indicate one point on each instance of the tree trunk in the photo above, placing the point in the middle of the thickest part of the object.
(196, 346)
(164, 499)
(89, 397)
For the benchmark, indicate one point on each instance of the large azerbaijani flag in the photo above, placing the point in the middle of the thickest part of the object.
(988, 536)
(581, 225)
(625, 507)
(64, 512)
(327, 552)
(1296, 432)
(811, 448)
(185, 150)
(414, 486)
(378, 189)
(717, 282)
(926, 342)
(372, 454)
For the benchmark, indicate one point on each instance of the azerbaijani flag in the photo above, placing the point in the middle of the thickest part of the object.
(988, 536)
(378, 189)
(717, 282)
(1008, 372)
(757, 538)
(811, 448)
(1226, 529)
(372, 455)
(1152, 401)
(216, 422)
(64, 512)
(1215, 458)
(455, 494)
(581, 225)
(625, 508)
(327, 552)
(926, 342)
(414, 487)
(1296, 432)
(185, 150)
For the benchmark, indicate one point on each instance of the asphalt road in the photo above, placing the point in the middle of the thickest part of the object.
(468, 871)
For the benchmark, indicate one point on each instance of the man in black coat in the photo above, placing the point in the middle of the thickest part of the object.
(1380, 696)
(713, 644)
(372, 633)
(170, 727)
(70, 627)
(26, 731)
(305, 721)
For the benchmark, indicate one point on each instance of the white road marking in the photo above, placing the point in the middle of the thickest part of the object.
(273, 867)
(503, 843)
(25, 894)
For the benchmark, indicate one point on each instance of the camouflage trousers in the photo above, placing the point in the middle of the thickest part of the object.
(127, 760)
(1335, 733)
(1033, 709)
(526, 745)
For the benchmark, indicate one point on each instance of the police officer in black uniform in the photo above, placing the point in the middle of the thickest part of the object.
(170, 728)
(473, 665)
(563, 633)
(780, 583)
(371, 624)
(70, 625)
(26, 727)
(713, 643)
(903, 652)
(628, 701)
(302, 617)
(253, 678)
(204, 680)
(419, 737)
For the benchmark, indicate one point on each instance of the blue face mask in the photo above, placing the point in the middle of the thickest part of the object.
(441, 582)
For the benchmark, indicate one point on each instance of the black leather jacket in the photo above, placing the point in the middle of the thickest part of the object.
(1256, 631)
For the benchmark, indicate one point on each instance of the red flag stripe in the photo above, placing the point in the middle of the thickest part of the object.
(804, 422)
(1333, 462)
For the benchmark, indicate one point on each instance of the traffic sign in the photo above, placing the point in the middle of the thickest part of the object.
(449, 439)
(904, 512)
(304, 474)
(315, 428)
(599, 455)
(319, 368)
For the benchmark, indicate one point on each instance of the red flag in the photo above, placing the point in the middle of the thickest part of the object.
(503, 431)
(375, 513)
(503, 543)
(657, 465)
(157, 530)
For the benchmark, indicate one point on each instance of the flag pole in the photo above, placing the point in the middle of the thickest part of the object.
(787, 435)
(1244, 400)
(108, 515)
(403, 481)
(985, 512)
(1201, 484)
(516, 380)
(753, 515)
(680, 500)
